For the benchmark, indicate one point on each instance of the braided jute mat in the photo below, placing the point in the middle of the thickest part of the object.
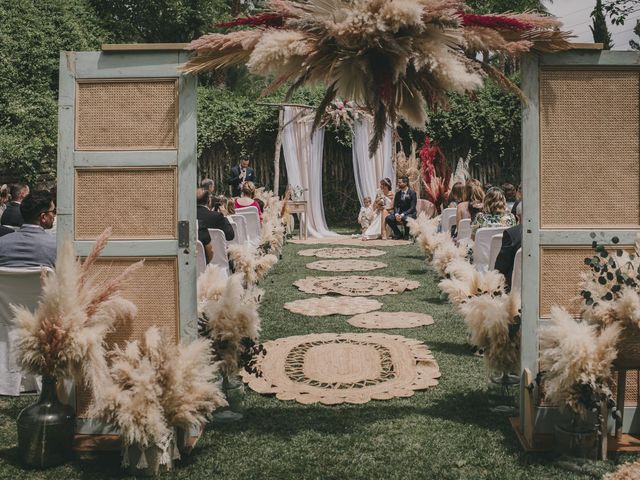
(355, 286)
(342, 252)
(333, 368)
(324, 306)
(353, 242)
(345, 265)
(391, 320)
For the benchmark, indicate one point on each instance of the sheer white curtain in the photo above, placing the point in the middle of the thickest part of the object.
(368, 171)
(303, 158)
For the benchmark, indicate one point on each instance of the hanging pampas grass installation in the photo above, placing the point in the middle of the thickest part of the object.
(576, 359)
(65, 336)
(396, 58)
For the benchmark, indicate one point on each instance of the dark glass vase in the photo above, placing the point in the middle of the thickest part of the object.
(46, 429)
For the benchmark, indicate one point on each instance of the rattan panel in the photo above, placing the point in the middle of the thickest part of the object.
(631, 392)
(560, 270)
(590, 155)
(128, 115)
(136, 203)
(154, 290)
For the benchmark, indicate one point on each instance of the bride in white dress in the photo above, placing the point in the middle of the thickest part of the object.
(383, 205)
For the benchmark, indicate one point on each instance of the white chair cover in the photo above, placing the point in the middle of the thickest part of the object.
(236, 237)
(464, 229)
(447, 219)
(201, 258)
(516, 276)
(482, 245)
(252, 219)
(18, 286)
(219, 245)
(494, 250)
(241, 225)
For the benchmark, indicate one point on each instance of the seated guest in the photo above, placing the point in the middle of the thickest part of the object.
(247, 198)
(209, 219)
(207, 184)
(473, 201)
(31, 245)
(518, 201)
(12, 216)
(494, 213)
(456, 196)
(511, 243)
(404, 207)
(4, 198)
(509, 194)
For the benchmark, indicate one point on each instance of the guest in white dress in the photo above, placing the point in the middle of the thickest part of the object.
(382, 206)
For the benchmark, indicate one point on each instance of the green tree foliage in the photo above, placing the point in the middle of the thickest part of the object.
(31, 36)
(599, 28)
(619, 10)
(500, 6)
(160, 20)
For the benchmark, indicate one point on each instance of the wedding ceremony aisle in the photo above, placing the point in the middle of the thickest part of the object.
(446, 431)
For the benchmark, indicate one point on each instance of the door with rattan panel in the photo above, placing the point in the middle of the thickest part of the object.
(127, 160)
(581, 182)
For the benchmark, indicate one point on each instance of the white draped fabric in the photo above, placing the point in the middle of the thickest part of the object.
(368, 171)
(303, 158)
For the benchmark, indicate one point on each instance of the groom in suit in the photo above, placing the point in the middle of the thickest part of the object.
(404, 207)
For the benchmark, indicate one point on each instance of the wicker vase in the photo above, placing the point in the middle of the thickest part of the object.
(46, 429)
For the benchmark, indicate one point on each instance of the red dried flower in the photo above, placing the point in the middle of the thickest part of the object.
(263, 20)
(498, 22)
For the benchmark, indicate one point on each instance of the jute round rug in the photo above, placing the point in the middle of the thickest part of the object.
(333, 368)
(355, 286)
(323, 306)
(391, 320)
(348, 241)
(344, 252)
(345, 265)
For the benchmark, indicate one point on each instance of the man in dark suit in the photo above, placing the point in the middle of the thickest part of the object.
(5, 230)
(210, 219)
(511, 243)
(239, 174)
(12, 215)
(404, 207)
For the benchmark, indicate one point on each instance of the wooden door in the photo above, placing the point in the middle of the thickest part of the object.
(127, 160)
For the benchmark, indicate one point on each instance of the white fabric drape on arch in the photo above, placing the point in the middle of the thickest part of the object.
(368, 171)
(303, 158)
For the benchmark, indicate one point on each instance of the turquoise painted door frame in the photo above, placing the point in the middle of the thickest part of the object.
(133, 66)
(539, 236)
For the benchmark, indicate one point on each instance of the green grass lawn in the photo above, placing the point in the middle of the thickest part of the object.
(446, 432)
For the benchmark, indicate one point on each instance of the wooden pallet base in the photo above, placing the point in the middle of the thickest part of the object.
(109, 443)
(544, 442)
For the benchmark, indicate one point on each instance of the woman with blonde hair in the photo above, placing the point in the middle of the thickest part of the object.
(494, 213)
(246, 199)
(473, 201)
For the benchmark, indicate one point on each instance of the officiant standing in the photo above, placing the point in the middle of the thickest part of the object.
(240, 174)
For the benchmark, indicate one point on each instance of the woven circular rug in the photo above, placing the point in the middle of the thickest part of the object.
(391, 320)
(323, 306)
(333, 368)
(345, 252)
(345, 265)
(355, 286)
(352, 242)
